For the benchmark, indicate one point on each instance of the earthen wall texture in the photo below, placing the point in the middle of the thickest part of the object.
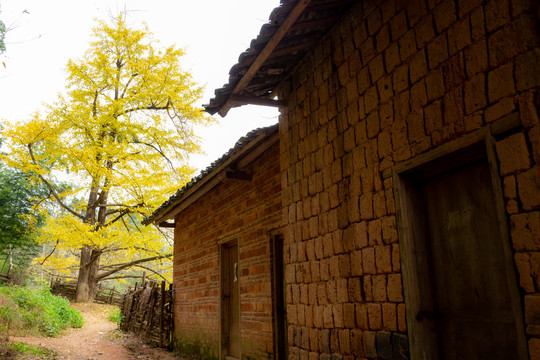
(245, 211)
(394, 80)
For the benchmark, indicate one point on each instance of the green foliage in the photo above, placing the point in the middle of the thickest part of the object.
(27, 309)
(18, 217)
(2, 37)
(116, 316)
(25, 348)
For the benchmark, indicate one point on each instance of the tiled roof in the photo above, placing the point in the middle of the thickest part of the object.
(210, 170)
(312, 24)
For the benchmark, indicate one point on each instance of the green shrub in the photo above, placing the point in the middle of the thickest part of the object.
(27, 309)
(116, 316)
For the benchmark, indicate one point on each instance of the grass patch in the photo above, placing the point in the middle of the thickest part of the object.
(116, 316)
(24, 310)
(23, 351)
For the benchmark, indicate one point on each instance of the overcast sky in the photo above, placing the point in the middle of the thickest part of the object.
(45, 34)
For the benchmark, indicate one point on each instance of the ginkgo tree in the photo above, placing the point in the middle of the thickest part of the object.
(122, 133)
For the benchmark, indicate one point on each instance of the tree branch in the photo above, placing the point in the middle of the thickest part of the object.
(52, 190)
(129, 264)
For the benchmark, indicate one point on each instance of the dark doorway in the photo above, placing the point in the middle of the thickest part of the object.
(230, 302)
(459, 279)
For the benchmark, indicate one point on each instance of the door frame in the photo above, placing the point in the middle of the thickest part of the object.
(222, 245)
(414, 254)
(280, 326)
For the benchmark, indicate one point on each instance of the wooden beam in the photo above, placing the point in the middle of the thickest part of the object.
(243, 100)
(265, 53)
(166, 224)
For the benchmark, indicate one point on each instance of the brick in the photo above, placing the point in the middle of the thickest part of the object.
(384, 85)
(389, 313)
(337, 311)
(391, 57)
(407, 45)
(370, 344)
(453, 106)
(437, 51)
(368, 260)
(368, 287)
(424, 31)
(382, 40)
(454, 72)
(383, 259)
(361, 316)
(384, 345)
(476, 58)
(401, 78)
(532, 309)
(475, 94)
(357, 343)
(523, 265)
(501, 108)
(324, 341)
(528, 71)
(401, 315)
(389, 230)
(529, 188)
(445, 15)
(512, 40)
(418, 96)
(534, 348)
(395, 289)
(379, 288)
(374, 22)
(371, 99)
(349, 320)
(528, 111)
(328, 320)
(465, 6)
(501, 83)
(418, 67)
(374, 232)
(416, 10)
(374, 316)
(398, 25)
(435, 84)
(525, 231)
(478, 29)
(497, 14)
(513, 154)
(459, 36)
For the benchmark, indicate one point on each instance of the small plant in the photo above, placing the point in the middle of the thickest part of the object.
(24, 348)
(116, 316)
(35, 310)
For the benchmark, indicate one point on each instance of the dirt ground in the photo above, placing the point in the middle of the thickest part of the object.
(98, 339)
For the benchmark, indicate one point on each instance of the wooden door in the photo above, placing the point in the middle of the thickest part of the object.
(474, 315)
(230, 303)
(280, 313)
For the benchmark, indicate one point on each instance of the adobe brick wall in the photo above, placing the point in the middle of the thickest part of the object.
(245, 211)
(395, 80)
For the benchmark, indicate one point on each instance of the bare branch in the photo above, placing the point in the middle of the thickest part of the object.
(131, 263)
(52, 190)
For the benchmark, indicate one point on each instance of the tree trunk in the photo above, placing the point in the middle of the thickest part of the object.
(88, 271)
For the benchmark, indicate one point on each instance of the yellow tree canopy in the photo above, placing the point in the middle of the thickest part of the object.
(122, 133)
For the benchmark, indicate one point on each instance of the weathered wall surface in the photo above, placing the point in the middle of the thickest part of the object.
(241, 210)
(395, 80)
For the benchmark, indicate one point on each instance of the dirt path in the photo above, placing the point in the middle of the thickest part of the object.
(97, 340)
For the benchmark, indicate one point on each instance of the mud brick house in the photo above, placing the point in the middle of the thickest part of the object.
(410, 177)
(226, 224)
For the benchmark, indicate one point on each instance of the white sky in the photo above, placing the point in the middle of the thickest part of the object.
(47, 33)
